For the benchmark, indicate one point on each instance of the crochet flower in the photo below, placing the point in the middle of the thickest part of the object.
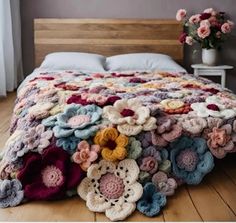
(193, 125)
(130, 116)
(11, 193)
(112, 188)
(50, 175)
(134, 148)
(69, 143)
(40, 110)
(167, 131)
(112, 144)
(85, 154)
(190, 159)
(13, 147)
(26, 123)
(77, 120)
(175, 106)
(164, 184)
(220, 142)
(145, 138)
(151, 201)
(151, 161)
(36, 139)
(213, 107)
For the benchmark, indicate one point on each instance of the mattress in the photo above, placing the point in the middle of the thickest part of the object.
(120, 141)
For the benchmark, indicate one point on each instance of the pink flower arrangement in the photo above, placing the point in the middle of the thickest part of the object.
(209, 28)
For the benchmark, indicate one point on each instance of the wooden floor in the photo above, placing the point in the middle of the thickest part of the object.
(213, 200)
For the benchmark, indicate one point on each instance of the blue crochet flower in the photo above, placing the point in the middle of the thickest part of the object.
(69, 143)
(77, 120)
(190, 159)
(50, 122)
(151, 201)
(11, 193)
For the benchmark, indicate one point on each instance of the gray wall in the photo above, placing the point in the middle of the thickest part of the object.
(31, 9)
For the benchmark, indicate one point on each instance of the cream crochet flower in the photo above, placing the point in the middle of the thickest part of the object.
(112, 188)
(213, 107)
(130, 116)
(41, 110)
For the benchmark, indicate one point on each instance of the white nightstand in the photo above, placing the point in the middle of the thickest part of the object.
(205, 70)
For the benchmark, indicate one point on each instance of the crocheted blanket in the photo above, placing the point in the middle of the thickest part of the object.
(119, 141)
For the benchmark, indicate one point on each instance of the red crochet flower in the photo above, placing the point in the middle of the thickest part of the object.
(50, 175)
(67, 87)
(77, 99)
(211, 90)
(43, 78)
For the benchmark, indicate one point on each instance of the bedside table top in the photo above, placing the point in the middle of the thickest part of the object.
(203, 66)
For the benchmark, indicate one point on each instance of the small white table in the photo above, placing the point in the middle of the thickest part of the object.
(205, 70)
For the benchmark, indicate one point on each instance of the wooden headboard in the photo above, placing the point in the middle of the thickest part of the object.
(107, 36)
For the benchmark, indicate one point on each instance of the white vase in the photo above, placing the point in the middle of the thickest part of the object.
(209, 56)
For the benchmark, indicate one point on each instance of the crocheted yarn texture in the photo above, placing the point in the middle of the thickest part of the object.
(125, 141)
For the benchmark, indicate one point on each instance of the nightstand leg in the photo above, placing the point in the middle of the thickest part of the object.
(223, 79)
(196, 74)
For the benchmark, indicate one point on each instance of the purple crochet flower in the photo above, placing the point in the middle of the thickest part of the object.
(149, 160)
(26, 123)
(14, 151)
(145, 138)
(164, 184)
(161, 95)
(11, 193)
(37, 138)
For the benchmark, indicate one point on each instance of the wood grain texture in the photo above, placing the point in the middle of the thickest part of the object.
(213, 200)
(107, 36)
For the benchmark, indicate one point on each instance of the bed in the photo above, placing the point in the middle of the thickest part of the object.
(120, 140)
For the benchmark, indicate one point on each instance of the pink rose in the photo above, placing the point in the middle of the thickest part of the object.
(194, 19)
(205, 23)
(226, 28)
(189, 40)
(181, 14)
(203, 31)
(210, 11)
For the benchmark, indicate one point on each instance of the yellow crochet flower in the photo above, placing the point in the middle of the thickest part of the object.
(112, 144)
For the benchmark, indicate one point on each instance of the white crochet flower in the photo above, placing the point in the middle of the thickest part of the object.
(130, 116)
(41, 110)
(213, 107)
(112, 188)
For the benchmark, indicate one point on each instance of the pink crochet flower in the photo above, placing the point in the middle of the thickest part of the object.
(167, 131)
(85, 154)
(164, 184)
(187, 159)
(50, 175)
(149, 164)
(220, 142)
(111, 186)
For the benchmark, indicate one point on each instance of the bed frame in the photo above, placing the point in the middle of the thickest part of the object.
(107, 36)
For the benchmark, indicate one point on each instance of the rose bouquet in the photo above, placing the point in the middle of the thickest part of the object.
(209, 28)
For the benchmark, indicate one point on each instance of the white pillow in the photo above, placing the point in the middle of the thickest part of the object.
(142, 62)
(74, 61)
